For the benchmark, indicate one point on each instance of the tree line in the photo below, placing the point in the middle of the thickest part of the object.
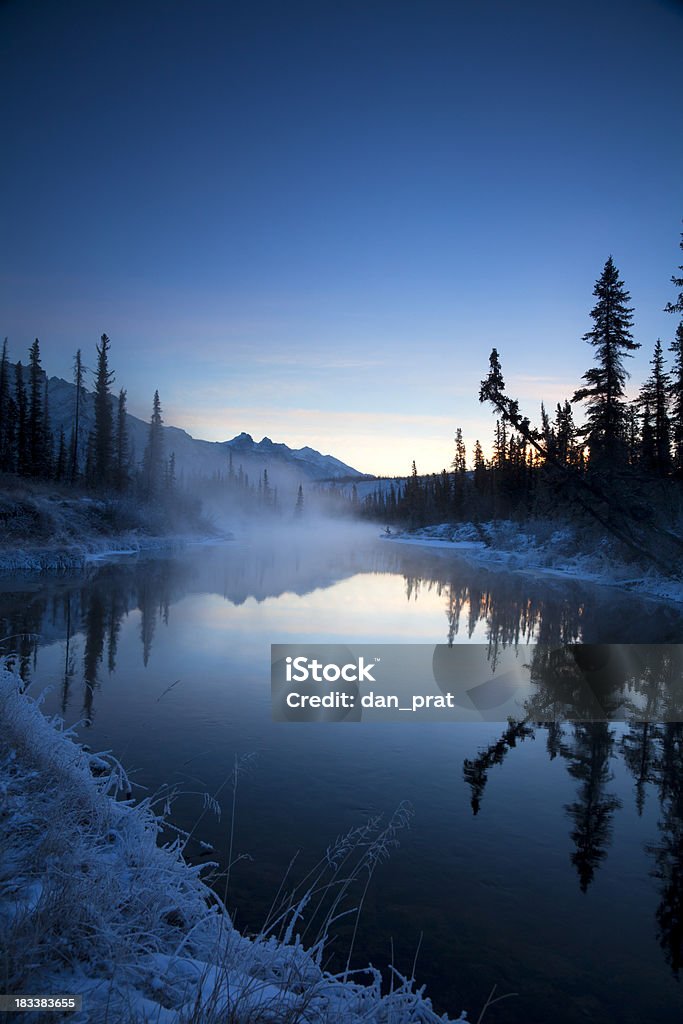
(627, 449)
(102, 461)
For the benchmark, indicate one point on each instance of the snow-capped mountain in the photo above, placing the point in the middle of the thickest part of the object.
(196, 458)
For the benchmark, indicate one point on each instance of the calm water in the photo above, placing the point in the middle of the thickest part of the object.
(546, 861)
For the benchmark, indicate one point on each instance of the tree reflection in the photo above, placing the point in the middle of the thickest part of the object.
(575, 676)
(668, 852)
(476, 771)
(593, 809)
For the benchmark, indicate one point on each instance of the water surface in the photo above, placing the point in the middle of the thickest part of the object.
(545, 860)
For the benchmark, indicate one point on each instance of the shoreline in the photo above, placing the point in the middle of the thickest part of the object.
(94, 904)
(65, 558)
(531, 559)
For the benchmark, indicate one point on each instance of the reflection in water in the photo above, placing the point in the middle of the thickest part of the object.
(89, 608)
(653, 754)
(668, 852)
(476, 771)
(592, 811)
(86, 613)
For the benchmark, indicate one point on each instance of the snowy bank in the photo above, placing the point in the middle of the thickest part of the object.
(44, 530)
(93, 903)
(547, 549)
(74, 556)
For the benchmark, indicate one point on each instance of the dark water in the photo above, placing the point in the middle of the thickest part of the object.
(547, 861)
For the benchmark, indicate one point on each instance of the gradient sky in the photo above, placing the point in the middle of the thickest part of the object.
(312, 221)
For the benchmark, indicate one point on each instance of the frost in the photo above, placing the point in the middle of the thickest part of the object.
(542, 549)
(92, 903)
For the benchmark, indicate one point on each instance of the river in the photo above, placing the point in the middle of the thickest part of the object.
(547, 860)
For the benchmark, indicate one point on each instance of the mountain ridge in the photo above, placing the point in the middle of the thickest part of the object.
(197, 458)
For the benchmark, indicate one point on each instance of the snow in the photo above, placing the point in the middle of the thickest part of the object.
(93, 903)
(540, 549)
(194, 456)
(76, 555)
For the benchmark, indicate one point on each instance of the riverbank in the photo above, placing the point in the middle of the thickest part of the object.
(92, 903)
(544, 548)
(47, 529)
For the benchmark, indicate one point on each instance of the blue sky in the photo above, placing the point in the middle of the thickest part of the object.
(312, 221)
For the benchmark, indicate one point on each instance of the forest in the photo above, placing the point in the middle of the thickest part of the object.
(620, 469)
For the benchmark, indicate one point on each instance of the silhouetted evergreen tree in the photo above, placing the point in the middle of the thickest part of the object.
(37, 442)
(654, 399)
(122, 447)
(153, 461)
(479, 468)
(566, 435)
(604, 392)
(75, 432)
(104, 426)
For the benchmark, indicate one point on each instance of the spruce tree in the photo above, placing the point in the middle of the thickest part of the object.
(299, 507)
(565, 435)
(604, 391)
(654, 397)
(459, 463)
(36, 419)
(153, 461)
(479, 467)
(122, 446)
(104, 426)
(75, 432)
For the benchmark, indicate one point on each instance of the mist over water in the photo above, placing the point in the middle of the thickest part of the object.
(545, 860)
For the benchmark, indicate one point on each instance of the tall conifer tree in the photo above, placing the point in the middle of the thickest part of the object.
(153, 461)
(604, 392)
(104, 427)
(75, 432)
(654, 396)
(122, 445)
(36, 418)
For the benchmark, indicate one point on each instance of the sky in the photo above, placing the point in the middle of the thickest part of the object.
(312, 220)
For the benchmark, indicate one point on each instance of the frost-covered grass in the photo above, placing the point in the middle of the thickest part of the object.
(547, 547)
(92, 902)
(45, 527)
